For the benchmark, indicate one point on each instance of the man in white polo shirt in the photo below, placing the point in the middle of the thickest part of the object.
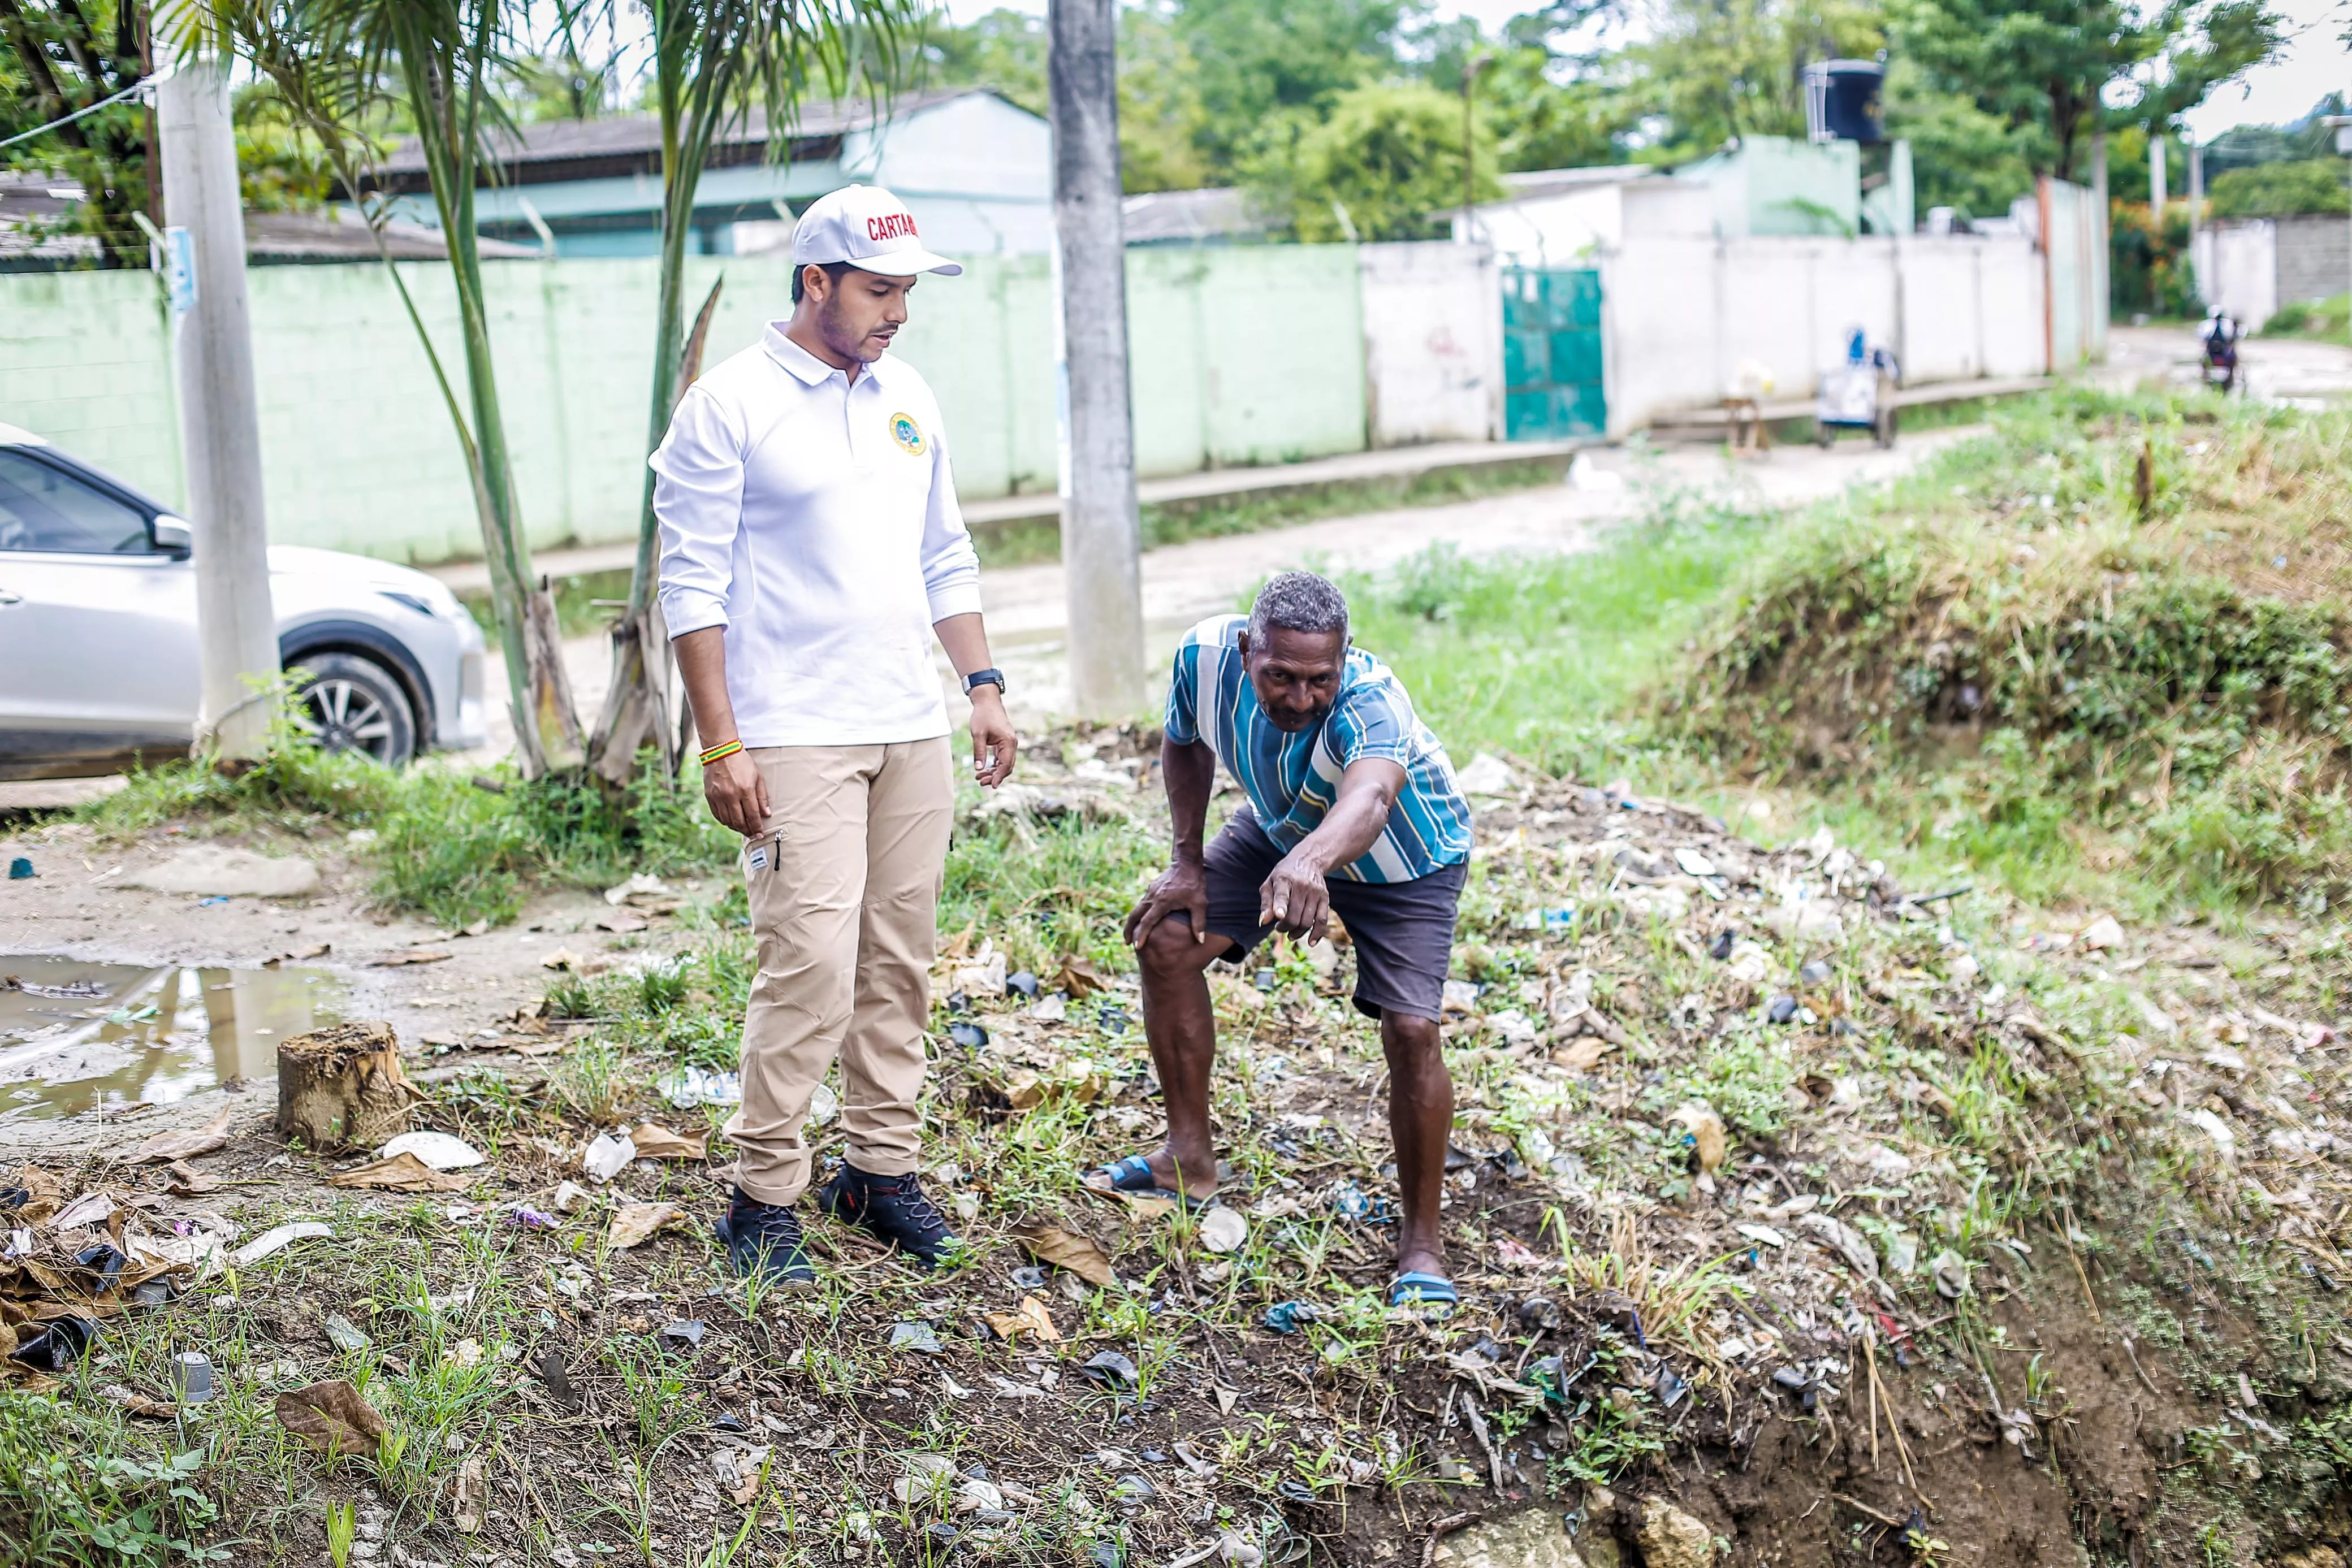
(811, 547)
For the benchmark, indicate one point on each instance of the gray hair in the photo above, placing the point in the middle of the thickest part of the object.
(1298, 601)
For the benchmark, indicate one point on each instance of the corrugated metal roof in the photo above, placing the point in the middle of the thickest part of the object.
(1213, 213)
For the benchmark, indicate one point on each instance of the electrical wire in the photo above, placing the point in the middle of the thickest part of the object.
(143, 86)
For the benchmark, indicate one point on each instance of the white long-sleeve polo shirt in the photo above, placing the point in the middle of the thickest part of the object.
(815, 519)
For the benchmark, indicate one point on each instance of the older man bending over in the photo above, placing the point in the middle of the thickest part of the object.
(1353, 810)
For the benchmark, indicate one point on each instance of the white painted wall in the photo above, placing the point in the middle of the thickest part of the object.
(1432, 342)
(2237, 270)
(1682, 316)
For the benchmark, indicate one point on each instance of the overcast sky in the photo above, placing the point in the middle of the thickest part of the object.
(2313, 64)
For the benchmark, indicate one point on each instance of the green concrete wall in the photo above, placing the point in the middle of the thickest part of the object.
(1242, 356)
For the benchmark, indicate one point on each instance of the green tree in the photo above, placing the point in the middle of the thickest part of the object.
(1387, 163)
(61, 56)
(2278, 190)
(343, 67)
(1961, 157)
(2045, 64)
(1716, 69)
(1260, 60)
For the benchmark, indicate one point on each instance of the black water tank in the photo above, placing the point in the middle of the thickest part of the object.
(1842, 101)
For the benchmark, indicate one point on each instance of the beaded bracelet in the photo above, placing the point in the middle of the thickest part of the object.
(724, 749)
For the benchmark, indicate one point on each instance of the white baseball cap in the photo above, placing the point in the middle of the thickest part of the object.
(870, 229)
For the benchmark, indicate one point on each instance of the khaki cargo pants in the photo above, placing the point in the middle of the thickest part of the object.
(844, 892)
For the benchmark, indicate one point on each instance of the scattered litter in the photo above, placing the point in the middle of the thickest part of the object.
(639, 889)
(532, 1219)
(55, 1346)
(412, 955)
(1951, 1272)
(608, 1156)
(1112, 1370)
(1704, 1130)
(192, 1378)
(968, 1035)
(691, 1086)
(345, 1334)
(918, 1337)
(569, 1197)
(1223, 1229)
(2105, 932)
(283, 1236)
(20, 869)
(1487, 774)
(1290, 1317)
(684, 1334)
(470, 1498)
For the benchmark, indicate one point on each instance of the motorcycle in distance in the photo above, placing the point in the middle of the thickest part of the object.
(2219, 333)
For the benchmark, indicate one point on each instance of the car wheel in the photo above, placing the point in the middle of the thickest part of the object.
(350, 704)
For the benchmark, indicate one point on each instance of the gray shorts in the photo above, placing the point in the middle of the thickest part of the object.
(1403, 931)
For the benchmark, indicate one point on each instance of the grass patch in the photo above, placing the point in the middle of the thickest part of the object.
(1538, 656)
(2112, 633)
(2315, 320)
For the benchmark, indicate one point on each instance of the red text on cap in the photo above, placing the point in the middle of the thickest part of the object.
(891, 225)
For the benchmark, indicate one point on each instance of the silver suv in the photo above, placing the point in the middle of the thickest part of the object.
(98, 632)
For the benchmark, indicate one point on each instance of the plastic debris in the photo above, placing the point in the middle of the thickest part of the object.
(283, 1236)
(1112, 1370)
(192, 1378)
(20, 869)
(608, 1156)
(442, 1151)
(1951, 1272)
(1024, 982)
(1817, 973)
(1290, 1317)
(1781, 1008)
(970, 1036)
(1223, 1229)
(684, 1334)
(345, 1334)
(532, 1219)
(635, 1223)
(1487, 774)
(920, 1337)
(690, 1086)
(1704, 1131)
(2105, 932)
(57, 1346)
(569, 1197)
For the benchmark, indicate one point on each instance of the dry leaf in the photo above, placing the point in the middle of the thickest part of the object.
(1707, 1139)
(1030, 1318)
(1079, 975)
(187, 1141)
(332, 1418)
(1580, 1055)
(561, 958)
(658, 1143)
(187, 1181)
(473, 1495)
(412, 956)
(401, 1172)
(634, 1223)
(1064, 1250)
(623, 921)
(139, 1404)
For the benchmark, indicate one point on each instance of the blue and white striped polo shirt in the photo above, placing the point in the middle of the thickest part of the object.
(1292, 779)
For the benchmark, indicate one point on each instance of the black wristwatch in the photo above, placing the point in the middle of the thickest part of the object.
(978, 678)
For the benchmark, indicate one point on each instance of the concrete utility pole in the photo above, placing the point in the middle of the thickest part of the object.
(2156, 184)
(212, 344)
(1102, 534)
(2196, 198)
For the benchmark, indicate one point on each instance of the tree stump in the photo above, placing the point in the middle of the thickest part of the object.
(342, 1085)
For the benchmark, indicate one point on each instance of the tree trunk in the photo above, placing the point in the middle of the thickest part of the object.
(342, 1086)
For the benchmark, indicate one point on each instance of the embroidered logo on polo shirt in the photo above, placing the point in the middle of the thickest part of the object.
(907, 433)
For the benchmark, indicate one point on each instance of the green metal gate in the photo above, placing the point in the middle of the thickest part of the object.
(1551, 353)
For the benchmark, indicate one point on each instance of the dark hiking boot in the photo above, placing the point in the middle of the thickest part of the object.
(764, 1237)
(895, 1208)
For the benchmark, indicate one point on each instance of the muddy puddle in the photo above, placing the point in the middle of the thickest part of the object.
(76, 1036)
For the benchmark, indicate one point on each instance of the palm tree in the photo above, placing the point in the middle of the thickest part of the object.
(345, 68)
(714, 63)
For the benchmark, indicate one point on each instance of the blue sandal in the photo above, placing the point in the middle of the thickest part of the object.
(1423, 1290)
(1133, 1177)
